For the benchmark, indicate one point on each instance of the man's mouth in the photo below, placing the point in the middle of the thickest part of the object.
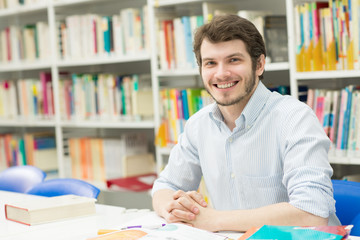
(225, 85)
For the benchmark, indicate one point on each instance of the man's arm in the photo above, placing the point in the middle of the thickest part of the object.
(241, 220)
(177, 206)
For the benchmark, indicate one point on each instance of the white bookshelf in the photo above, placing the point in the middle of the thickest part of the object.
(51, 11)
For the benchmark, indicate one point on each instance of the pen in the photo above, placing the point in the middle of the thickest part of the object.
(145, 226)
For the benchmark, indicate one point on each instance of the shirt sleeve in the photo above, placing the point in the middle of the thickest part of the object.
(307, 171)
(183, 171)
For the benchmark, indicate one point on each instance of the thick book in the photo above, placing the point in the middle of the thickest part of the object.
(48, 209)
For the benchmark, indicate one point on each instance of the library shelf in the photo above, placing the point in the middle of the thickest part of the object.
(109, 124)
(103, 60)
(24, 66)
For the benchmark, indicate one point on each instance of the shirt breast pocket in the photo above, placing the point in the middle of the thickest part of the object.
(263, 191)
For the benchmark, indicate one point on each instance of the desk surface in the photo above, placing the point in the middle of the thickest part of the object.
(106, 217)
(80, 228)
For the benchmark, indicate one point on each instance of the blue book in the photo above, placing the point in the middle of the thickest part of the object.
(344, 140)
(188, 40)
(44, 142)
(106, 22)
(185, 105)
(95, 79)
(292, 232)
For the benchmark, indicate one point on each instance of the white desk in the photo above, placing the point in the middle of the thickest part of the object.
(106, 217)
(81, 228)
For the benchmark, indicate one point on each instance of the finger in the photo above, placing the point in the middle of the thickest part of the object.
(175, 205)
(198, 197)
(178, 194)
(176, 217)
(188, 203)
(183, 215)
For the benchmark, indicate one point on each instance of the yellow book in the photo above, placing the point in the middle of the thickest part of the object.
(350, 56)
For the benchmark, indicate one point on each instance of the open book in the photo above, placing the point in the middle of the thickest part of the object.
(174, 231)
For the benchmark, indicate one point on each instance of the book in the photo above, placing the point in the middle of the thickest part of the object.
(275, 34)
(169, 231)
(48, 209)
(297, 232)
(134, 183)
(138, 164)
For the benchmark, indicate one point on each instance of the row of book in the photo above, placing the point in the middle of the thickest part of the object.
(105, 97)
(175, 38)
(177, 105)
(327, 35)
(273, 28)
(37, 149)
(11, 4)
(27, 43)
(339, 113)
(99, 159)
(27, 99)
(94, 35)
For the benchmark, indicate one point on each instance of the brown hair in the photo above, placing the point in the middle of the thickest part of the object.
(227, 28)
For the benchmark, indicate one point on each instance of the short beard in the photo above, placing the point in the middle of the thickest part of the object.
(249, 87)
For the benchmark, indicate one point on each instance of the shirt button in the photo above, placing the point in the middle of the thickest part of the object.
(230, 139)
(232, 175)
(248, 127)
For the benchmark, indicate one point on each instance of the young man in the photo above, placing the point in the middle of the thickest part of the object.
(263, 156)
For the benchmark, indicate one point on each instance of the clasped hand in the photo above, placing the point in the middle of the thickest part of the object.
(185, 206)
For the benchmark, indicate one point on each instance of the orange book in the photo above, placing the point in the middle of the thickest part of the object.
(248, 233)
(83, 158)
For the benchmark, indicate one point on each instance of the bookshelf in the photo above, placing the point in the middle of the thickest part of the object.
(134, 60)
(337, 69)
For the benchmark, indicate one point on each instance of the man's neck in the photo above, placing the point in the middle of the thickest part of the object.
(231, 113)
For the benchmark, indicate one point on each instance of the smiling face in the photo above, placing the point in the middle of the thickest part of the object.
(227, 72)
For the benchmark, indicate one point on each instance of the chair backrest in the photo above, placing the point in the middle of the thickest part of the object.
(347, 197)
(21, 178)
(63, 186)
(355, 231)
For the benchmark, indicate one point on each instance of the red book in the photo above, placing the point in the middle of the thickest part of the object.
(45, 78)
(136, 184)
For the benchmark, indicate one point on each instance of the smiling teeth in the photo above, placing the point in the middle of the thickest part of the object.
(227, 85)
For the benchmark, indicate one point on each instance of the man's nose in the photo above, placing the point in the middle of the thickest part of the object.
(222, 72)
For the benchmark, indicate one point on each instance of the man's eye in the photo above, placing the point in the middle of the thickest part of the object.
(234, 60)
(210, 63)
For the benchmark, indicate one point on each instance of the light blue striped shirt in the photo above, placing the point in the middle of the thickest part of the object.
(276, 153)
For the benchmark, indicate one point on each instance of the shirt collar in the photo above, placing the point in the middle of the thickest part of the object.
(256, 104)
(251, 110)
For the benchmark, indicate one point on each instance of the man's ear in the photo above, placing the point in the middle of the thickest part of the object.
(260, 65)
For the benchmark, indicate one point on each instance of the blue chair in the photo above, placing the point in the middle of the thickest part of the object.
(63, 186)
(21, 178)
(347, 196)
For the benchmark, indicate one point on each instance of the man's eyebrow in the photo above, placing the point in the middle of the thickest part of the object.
(207, 59)
(235, 55)
(229, 56)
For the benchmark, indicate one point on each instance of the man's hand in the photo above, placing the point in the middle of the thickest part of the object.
(184, 208)
(207, 219)
(178, 206)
